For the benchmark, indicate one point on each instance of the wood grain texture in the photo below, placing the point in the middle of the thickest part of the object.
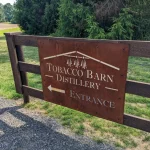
(29, 67)
(138, 88)
(137, 48)
(13, 33)
(136, 122)
(23, 74)
(132, 87)
(14, 62)
(26, 40)
(33, 92)
(128, 120)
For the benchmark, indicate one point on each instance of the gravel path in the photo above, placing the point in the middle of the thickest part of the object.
(22, 129)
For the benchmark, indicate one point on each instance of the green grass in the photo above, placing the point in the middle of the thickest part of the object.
(9, 30)
(147, 139)
(7, 88)
(6, 22)
(100, 130)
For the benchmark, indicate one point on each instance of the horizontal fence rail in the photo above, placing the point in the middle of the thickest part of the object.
(29, 67)
(33, 92)
(132, 87)
(128, 120)
(137, 48)
(136, 122)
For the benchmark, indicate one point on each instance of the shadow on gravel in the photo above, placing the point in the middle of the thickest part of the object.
(34, 135)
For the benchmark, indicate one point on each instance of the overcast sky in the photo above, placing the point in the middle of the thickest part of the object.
(7, 1)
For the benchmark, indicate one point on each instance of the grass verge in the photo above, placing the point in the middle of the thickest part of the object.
(9, 30)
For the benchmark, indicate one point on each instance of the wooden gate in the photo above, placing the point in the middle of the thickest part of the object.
(15, 41)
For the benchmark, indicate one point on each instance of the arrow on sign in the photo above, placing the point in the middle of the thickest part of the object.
(55, 89)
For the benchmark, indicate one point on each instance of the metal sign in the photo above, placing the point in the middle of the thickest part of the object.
(85, 75)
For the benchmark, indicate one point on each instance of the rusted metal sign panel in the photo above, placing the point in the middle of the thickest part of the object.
(85, 75)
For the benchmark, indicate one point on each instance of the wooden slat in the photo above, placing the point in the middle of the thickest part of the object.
(137, 48)
(138, 88)
(29, 67)
(137, 122)
(26, 40)
(33, 92)
(23, 74)
(30, 40)
(14, 62)
(128, 120)
(13, 33)
(132, 87)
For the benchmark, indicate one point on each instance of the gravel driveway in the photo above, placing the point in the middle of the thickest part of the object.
(23, 129)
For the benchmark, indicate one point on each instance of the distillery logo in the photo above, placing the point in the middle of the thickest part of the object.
(76, 62)
(76, 68)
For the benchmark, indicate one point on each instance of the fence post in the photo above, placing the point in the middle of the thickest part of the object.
(16, 54)
(23, 75)
(14, 62)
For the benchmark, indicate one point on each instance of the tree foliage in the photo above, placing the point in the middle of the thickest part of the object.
(8, 12)
(122, 29)
(72, 19)
(50, 17)
(113, 19)
(36, 16)
(93, 29)
(141, 13)
(2, 16)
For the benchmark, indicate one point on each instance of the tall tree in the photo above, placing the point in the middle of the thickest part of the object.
(30, 15)
(8, 12)
(114, 19)
(72, 19)
(140, 9)
(50, 17)
(2, 16)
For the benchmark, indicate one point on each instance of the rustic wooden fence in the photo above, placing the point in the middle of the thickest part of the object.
(15, 41)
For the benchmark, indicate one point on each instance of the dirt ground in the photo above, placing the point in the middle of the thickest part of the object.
(7, 26)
